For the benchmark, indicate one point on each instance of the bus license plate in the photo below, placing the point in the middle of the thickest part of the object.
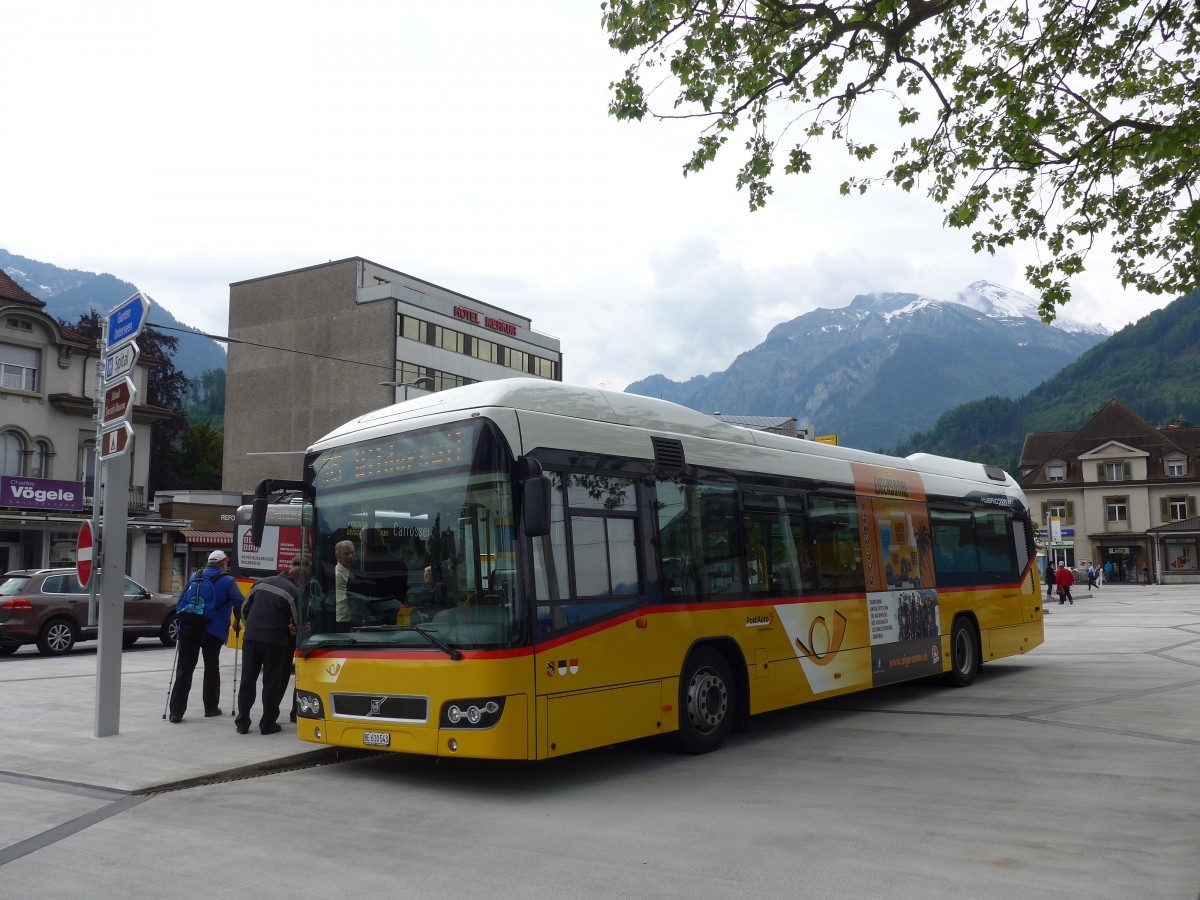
(377, 739)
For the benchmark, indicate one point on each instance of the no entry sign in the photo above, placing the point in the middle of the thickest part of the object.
(83, 554)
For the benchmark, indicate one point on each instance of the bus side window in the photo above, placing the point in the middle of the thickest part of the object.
(836, 545)
(997, 551)
(777, 560)
(678, 574)
(718, 551)
(591, 552)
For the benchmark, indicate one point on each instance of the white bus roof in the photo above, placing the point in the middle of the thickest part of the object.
(664, 418)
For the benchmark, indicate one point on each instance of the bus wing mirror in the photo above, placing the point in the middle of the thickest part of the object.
(258, 520)
(536, 505)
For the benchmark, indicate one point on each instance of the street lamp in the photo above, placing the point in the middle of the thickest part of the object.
(406, 384)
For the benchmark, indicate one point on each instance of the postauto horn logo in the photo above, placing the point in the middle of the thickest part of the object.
(832, 642)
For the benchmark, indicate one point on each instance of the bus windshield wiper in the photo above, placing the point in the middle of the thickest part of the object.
(435, 640)
(432, 638)
(333, 642)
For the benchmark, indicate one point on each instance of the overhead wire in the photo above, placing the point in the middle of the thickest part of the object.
(228, 340)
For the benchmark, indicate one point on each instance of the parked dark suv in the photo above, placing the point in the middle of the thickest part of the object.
(49, 608)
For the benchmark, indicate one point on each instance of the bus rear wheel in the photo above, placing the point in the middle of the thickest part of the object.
(964, 653)
(706, 701)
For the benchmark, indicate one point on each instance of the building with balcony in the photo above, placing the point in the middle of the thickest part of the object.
(313, 348)
(48, 378)
(1122, 491)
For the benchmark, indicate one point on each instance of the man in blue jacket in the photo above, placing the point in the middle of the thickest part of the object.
(205, 635)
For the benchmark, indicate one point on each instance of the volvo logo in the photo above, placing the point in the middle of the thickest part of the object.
(376, 705)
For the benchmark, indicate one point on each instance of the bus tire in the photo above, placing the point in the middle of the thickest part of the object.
(964, 653)
(707, 702)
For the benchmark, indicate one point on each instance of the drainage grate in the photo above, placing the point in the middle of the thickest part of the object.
(310, 760)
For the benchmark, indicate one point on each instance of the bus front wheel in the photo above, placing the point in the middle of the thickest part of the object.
(706, 701)
(964, 653)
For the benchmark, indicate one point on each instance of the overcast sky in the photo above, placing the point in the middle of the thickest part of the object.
(186, 147)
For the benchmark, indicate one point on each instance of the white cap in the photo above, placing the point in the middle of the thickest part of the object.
(217, 556)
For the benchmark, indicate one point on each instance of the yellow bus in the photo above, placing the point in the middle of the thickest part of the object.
(522, 569)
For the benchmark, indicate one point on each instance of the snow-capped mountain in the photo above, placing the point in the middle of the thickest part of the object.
(70, 293)
(993, 299)
(888, 364)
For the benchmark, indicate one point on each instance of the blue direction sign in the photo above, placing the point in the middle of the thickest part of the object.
(125, 322)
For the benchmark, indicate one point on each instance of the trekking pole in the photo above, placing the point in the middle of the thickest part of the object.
(171, 680)
(237, 651)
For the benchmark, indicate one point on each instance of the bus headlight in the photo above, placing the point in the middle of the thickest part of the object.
(480, 713)
(308, 705)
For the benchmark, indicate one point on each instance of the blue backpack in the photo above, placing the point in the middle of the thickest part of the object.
(198, 598)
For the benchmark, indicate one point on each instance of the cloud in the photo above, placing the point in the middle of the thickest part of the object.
(462, 144)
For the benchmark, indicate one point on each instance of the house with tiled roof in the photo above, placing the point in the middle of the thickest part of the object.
(48, 442)
(1112, 485)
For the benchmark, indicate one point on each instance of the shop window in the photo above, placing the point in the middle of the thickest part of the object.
(1180, 556)
(62, 549)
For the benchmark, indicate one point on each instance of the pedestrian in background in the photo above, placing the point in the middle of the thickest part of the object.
(1050, 582)
(270, 623)
(1091, 576)
(205, 636)
(1064, 579)
(1146, 574)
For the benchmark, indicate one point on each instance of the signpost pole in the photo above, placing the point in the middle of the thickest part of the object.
(121, 326)
(112, 598)
(96, 560)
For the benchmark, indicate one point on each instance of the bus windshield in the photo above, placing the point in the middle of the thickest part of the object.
(414, 544)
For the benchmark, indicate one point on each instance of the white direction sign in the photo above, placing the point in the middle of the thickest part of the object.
(125, 322)
(121, 361)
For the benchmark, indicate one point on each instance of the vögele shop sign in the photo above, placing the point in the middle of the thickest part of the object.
(40, 493)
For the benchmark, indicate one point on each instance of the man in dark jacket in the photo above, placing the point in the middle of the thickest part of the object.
(270, 614)
(206, 636)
